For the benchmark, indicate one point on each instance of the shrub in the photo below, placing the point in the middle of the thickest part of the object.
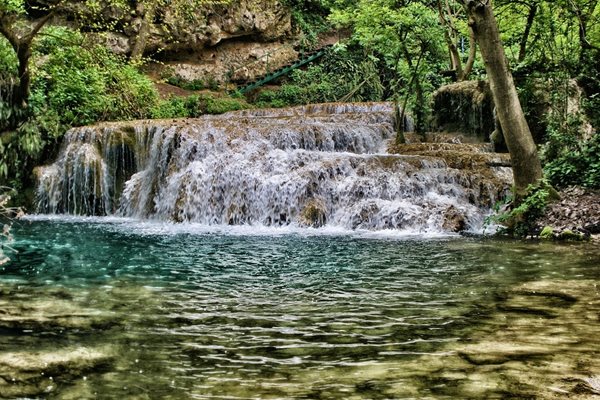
(88, 83)
(342, 75)
(176, 107)
(570, 156)
(196, 84)
(196, 105)
(519, 216)
(577, 164)
(220, 105)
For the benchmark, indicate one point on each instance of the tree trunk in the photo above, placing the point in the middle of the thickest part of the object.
(583, 16)
(139, 46)
(472, 53)
(21, 95)
(523, 152)
(455, 61)
(22, 46)
(530, 18)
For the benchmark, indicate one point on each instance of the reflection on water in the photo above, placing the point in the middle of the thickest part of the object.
(122, 310)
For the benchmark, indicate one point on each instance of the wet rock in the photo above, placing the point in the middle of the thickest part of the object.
(465, 106)
(454, 220)
(314, 214)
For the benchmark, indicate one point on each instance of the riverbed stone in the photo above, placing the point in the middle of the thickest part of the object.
(33, 373)
(51, 312)
(493, 352)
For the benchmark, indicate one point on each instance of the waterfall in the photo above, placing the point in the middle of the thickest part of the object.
(303, 166)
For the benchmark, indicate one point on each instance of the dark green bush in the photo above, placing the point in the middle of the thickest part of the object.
(177, 107)
(220, 105)
(196, 84)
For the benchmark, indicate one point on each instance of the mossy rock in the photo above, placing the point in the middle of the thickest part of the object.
(572, 236)
(547, 233)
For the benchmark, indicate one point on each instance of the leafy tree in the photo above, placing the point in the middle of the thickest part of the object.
(407, 38)
(75, 82)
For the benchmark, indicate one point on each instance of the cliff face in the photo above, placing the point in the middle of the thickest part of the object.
(259, 20)
(199, 41)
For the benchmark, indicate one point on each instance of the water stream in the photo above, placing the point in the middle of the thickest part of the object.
(114, 308)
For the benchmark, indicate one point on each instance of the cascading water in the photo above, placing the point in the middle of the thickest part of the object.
(304, 166)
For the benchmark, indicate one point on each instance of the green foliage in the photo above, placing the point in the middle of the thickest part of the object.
(578, 163)
(570, 155)
(554, 41)
(8, 60)
(196, 105)
(75, 82)
(196, 84)
(519, 216)
(547, 233)
(176, 107)
(8, 72)
(309, 17)
(16, 7)
(220, 105)
(87, 82)
(405, 40)
(342, 75)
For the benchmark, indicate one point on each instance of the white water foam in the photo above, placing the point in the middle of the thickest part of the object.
(297, 168)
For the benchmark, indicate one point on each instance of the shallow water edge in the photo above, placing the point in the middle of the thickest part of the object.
(115, 308)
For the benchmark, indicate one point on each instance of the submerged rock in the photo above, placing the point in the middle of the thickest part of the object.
(491, 352)
(34, 373)
(49, 311)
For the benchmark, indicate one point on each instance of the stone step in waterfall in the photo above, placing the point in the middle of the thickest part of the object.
(310, 166)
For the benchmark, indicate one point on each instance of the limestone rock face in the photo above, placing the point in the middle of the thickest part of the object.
(237, 61)
(234, 40)
(193, 27)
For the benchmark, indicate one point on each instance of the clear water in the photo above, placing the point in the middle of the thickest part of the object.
(187, 312)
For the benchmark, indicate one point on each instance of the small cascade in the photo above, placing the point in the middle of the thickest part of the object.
(311, 166)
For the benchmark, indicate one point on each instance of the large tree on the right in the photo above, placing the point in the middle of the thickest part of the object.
(523, 152)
